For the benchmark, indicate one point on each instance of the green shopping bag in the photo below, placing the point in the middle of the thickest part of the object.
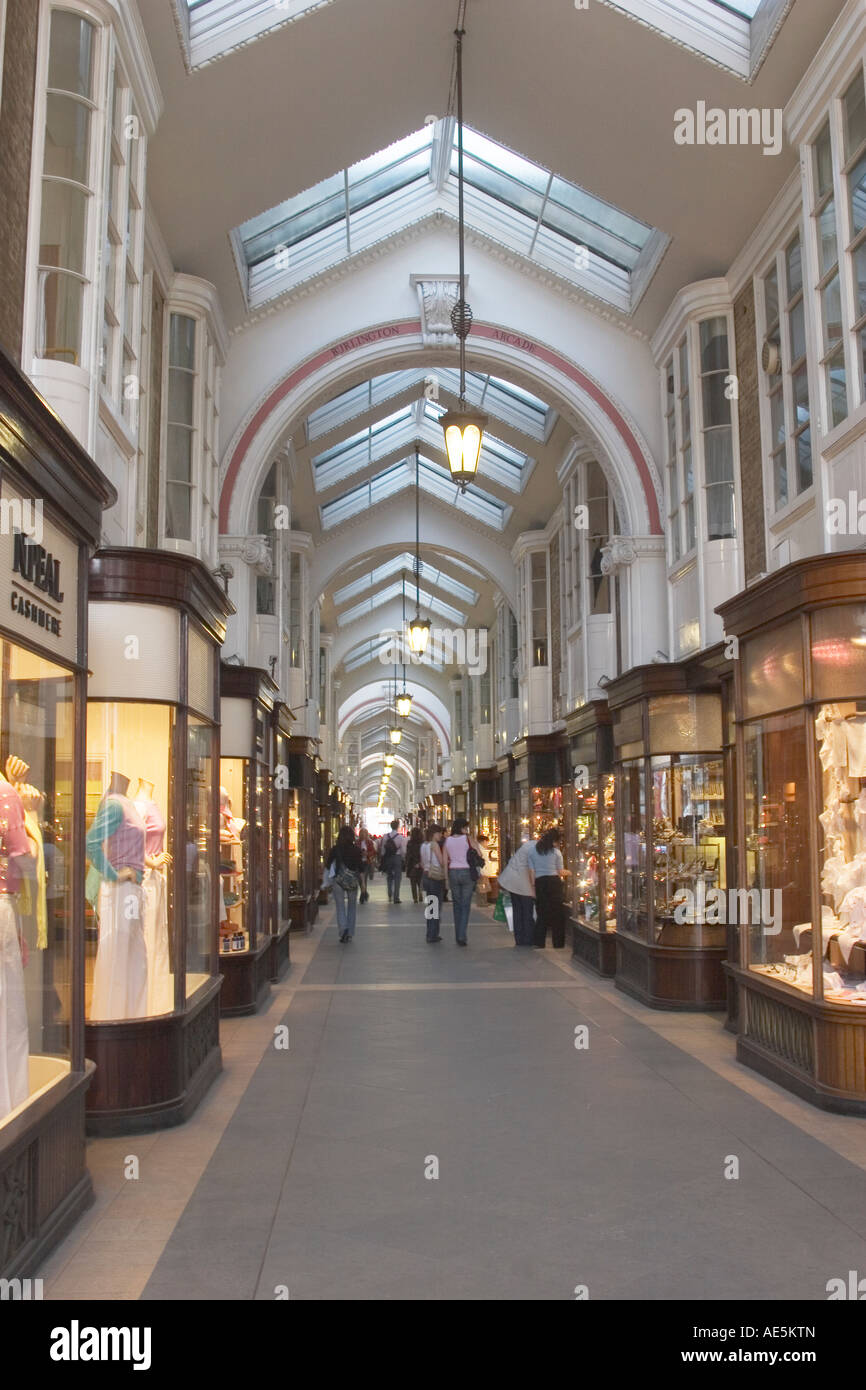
(499, 909)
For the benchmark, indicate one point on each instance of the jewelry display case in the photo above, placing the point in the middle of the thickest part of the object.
(53, 496)
(152, 986)
(246, 792)
(672, 839)
(590, 837)
(801, 753)
(484, 819)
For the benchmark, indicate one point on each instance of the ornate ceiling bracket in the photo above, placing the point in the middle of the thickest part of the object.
(437, 295)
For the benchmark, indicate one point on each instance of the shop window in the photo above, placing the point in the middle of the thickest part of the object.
(718, 436)
(38, 856)
(180, 479)
(538, 606)
(70, 162)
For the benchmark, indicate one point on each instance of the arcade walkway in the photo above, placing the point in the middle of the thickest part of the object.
(557, 1167)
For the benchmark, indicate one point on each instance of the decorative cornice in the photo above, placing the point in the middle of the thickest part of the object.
(619, 554)
(125, 20)
(253, 551)
(840, 51)
(437, 296)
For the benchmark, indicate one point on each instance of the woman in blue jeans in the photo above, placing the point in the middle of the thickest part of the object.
(347, 859)
(460, 881)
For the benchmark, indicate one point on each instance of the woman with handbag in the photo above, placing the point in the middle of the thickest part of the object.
(413, 861)
(544, 862)
(433, 880)
(345, 864)
(463, 863)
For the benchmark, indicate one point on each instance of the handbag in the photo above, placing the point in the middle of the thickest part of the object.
(347, 878)
(475, 862)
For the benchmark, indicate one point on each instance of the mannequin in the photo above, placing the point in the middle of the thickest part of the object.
(116, 850)
(15, 851)
(160, 983)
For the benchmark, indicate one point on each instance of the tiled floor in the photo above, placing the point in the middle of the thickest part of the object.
(310, 1171)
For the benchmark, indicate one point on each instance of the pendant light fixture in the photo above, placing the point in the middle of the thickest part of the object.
(404, 699)
(395, 733)
(419, 628)
(464, 427)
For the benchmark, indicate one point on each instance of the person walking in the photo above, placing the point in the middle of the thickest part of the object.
(516, 881)
(433, 879)
(460, 880)
(367, 846)
(345, 857)
(545, 866)
(413, 861)
(391, 852)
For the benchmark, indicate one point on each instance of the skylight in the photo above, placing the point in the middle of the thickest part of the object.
(734, 34)
(212, 28)
(432, 479)
(405, 563)
(509, 199)
(375, 601)
(416, 422)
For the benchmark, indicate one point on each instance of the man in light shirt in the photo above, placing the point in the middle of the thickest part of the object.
(391, 860)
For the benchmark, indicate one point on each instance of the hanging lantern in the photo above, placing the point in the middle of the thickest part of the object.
(404, 704)
(464, 432)
(419, 632)
(395, 735)
(389, 759)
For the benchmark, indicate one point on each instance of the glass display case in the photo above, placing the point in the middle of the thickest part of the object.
(672, 851)
(44, 1183)
(305, 872)
(281, 890)
(801, 723)
(589, 838)
(151, 987)
(246, 791)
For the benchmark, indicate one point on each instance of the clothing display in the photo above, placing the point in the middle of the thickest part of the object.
(115, 845)
(160, 984)
(14, 1039)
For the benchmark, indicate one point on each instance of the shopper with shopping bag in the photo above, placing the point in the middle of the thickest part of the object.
(515, 879)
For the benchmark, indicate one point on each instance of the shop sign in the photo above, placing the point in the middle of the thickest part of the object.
(39, 569)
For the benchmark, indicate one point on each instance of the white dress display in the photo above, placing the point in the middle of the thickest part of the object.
(115, 842)
(160, 981)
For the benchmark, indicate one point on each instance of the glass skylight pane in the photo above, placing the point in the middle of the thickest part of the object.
(747, 8)
(587, 220)
(405, 564)
(292, 221)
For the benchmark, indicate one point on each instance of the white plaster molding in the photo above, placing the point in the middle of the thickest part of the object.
(199, 297)
(617, 555)
(253, 551)
(839, 55)
(437, 296)
(703, 298)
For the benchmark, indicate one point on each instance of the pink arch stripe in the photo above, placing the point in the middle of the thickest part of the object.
(392, 332)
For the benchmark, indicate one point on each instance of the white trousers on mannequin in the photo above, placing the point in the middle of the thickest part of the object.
(14, 1045)
(160, 983)
(120, 972)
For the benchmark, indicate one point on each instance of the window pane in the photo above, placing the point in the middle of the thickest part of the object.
(719, 467)
(860, 279)
(717, 407)
(797, 325)
(857, 190)
(62, 300)
(179, 461)
(771, 298)
(70, 61)
(714, 345)
(854, 102)
(181, 386)
(794, 268)
(823, 163)
(691, 535)
(838, 384)
(67, 138)
(178, 512)
(181, 351)
(827, 246)
(778, 431)
(64, 219)
(800, 388)
(780, 475)
(688, 476)
(831, 309)
(804, 461)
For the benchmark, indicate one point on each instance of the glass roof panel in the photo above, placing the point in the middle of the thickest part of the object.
(747, 8)
(320, 228)
(432, 478)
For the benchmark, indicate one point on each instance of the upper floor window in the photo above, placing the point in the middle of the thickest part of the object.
(787, 375)
(179, 477)
(838, 204)
(538, 606)
(123, 251)
(718, 434)
(70, 172)
(458, 719)
(680, 468)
